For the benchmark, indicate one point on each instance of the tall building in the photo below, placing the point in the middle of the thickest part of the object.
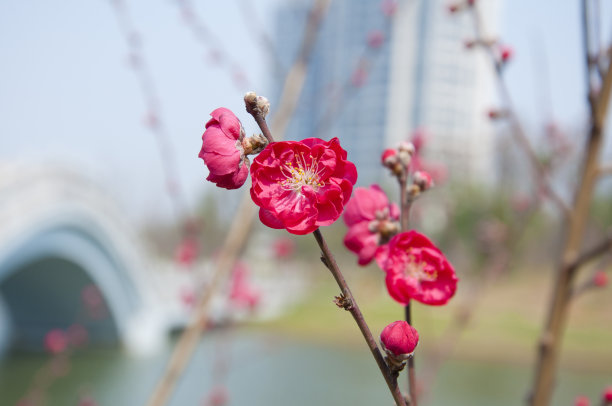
(372, 97)
(440, 86)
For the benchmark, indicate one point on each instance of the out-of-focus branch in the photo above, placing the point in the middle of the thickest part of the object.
(237, 236)
(605, 170)
(518, 132)
(550, 342)
(153, 119)
(254, 25)
(598, 249)
(213, 44)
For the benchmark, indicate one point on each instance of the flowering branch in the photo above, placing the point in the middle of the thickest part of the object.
(549, 347)
(347, 301)
(510, 113)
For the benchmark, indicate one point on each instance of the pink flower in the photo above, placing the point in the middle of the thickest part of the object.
(218, 396)
(389, 7)
(399, 338)
(283, 248)
(582, 401)
(222, 150)
(187, 251)
(600, 279)
(370, 218)
(416, 269)
(242, 294)
(56, 341)
(359, 76)
(506, 52)
(302, 185)
(376, 38)
(606, 396)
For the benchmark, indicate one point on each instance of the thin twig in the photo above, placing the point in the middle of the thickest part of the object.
(350, 304)
(598, 249)
(406, 204)
(518, 132)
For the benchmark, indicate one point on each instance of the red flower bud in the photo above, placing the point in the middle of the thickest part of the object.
(389, 156)
(506, 52)
(399, 339)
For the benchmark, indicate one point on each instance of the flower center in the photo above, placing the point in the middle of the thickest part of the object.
(299, 173)
(419, 271)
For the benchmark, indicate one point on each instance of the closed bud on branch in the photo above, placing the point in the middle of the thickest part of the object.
(254, 144)
(398, 340)
(256, 104)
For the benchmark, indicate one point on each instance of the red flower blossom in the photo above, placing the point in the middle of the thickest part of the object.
(399, 338)
(416, 269)
(222, 150)
(606, 396)
(302, 185)
(370, 218)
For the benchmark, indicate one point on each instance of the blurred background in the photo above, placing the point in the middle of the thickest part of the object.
(109, 228)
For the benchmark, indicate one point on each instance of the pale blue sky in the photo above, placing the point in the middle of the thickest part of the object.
(67, 93)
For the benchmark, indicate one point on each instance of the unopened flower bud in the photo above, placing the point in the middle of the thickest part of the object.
(399, 339)
(606, 396)
(254, 144)
(600, 279)
(256, 104)
(389, 157)
(406, 146)
(505, 53)
(423, 180)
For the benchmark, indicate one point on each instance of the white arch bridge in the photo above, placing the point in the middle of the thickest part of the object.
(58, 234)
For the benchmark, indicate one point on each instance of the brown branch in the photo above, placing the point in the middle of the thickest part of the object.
(239, 230)
(550, 342)
(601, 248)
(350, 304)
(406, 204)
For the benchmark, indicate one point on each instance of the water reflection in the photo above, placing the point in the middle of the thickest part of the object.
(267, 370)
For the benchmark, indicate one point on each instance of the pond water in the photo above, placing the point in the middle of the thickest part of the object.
(259, 369)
